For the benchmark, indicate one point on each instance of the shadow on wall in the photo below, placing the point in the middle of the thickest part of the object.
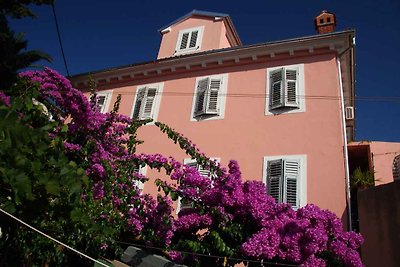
(379, 218)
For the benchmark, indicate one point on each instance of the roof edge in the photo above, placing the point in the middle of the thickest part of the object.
(217, 51)
(194, 12)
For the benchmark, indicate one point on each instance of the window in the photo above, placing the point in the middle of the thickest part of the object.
(285, 178)
(141, 170)
(147, 102)
(189, 40)
(103, 101)
(396, 168)
(209, 98)
(184, 204)
(285, 90)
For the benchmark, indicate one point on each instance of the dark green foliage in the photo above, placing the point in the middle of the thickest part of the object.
(18, 8)
(362, 179)
(38, 183)
(13, 54)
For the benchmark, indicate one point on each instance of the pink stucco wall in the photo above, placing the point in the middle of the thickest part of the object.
(214, 36)
(246, 134)
(383, 154)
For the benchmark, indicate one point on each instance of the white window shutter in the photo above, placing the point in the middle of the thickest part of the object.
(139, 103)
(204, 172)
(184, 41)
(184, 203)
(193, 39)
(201, 97)
(275, 179)
(192, 163)
(138, 183)
(101, 100)
(148, 105)
(213, 96)
(276, 88)
(291, 173)
(291, 88)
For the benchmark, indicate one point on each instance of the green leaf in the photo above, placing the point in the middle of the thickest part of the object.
(65, 170)
(9, 207)
(53, 187)
(23, 187)
(64, 129)
(76, 215)
(174, 196)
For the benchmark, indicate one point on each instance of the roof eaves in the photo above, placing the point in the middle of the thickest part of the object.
(222, 50)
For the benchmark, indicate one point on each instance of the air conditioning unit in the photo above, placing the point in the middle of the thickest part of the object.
(349, 113)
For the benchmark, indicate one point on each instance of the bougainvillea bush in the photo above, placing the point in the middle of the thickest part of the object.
(226, 217)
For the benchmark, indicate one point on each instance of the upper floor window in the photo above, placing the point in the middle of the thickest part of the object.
(285, 89)
(285, 178)
(189, 40)
(147, 101)
(103, 101)
(209, 97)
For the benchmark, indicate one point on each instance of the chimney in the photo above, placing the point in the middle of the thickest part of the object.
(325, 22)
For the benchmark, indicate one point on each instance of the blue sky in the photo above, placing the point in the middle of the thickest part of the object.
(99, 34)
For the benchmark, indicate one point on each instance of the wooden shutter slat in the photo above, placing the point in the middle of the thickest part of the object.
(193, 39)
(276, 89)
(201, 91)
(138, 105)
(291, 99)
(149, 103)
(138, 183)
(101, 100)
(291, 172)
(274, 179)
(213, 95)
(184, 42)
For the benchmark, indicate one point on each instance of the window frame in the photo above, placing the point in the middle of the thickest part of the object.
(197, 47)
(106, 105)
(301, 186)
(142, 170)
(222, 93)
(156, 102)
(300, 92)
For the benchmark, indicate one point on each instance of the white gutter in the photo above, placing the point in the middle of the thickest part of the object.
(346, 155)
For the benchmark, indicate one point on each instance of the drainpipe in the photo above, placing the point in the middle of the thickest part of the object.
(346, 156)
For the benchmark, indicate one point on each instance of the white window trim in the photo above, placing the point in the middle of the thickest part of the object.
(185, 162)
(301, 182)
(221, 99)
(108, 96)
(142, 171)
(157, 99)
(300, 92)
(179, 51)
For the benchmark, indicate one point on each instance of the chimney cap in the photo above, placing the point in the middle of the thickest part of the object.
(325, 22)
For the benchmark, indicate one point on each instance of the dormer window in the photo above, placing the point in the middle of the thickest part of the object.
(189, 40)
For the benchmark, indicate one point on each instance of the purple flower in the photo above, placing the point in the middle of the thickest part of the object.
(4, 99)
(103, 246)
(98, 190)
(175, 256)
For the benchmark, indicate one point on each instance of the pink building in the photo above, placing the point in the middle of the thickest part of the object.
(283, 109)
(381, 158)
